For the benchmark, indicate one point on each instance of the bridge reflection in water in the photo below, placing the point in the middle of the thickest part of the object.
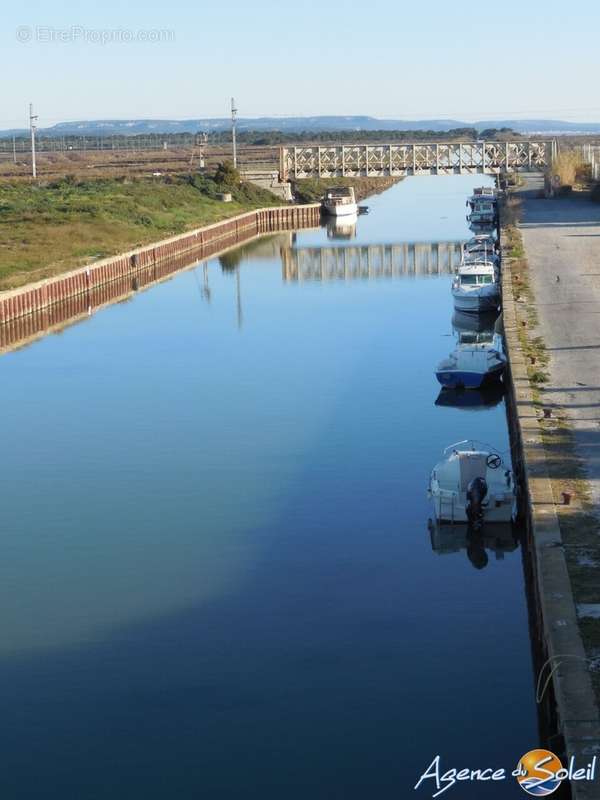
(344, 262)
(364, 262)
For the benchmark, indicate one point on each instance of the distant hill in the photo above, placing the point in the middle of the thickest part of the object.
(300, 124)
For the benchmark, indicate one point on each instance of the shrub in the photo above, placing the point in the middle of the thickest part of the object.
(566, 165)
(227, 175)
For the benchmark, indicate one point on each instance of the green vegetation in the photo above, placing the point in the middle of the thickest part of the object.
(267, 138)
(569, 167)
(499, 134)
(52, 227)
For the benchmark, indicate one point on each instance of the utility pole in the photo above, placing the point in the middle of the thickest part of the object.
(32, 125)
(14, 151)
(233, 116)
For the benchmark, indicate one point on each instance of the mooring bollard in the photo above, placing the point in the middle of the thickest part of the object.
(566, 498)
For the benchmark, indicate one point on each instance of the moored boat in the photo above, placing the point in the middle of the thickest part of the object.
(340, 201)
(483, 205)
(475, 287)
(471, 365)
(472, 484)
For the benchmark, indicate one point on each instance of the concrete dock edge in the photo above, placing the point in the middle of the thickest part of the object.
(567, 667)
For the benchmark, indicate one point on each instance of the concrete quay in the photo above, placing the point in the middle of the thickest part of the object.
(561, 238)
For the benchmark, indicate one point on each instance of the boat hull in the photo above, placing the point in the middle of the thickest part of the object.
(467, 379)
(474, 303)
(340, 209)
(447, 511)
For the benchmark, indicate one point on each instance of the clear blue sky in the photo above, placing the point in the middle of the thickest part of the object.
(385, 58)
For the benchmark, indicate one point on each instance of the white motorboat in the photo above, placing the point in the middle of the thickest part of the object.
(475, 287)
(484, 207)
(340, 201)
(483, 201)
(470, 366)
(472, 484)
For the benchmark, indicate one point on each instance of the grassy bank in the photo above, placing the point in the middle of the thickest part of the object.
(51, 227)
(311, 190)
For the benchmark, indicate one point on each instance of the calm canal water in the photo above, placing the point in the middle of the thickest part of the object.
(217, 578)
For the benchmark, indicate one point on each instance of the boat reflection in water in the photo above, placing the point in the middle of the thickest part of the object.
(493, 540)
(486, 396)
(488, 322)
(342, 227)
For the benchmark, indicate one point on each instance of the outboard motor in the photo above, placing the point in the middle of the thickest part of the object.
(476, 493)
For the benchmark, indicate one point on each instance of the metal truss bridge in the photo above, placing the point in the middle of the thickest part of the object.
(368, 262)
(447, 158)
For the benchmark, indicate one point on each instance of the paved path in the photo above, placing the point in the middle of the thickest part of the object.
(562, 243)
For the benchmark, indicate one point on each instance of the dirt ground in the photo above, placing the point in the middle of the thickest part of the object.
(117, 163)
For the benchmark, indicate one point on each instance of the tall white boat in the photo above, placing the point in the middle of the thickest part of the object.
(475, 287)
(340, 201)
(472, 484)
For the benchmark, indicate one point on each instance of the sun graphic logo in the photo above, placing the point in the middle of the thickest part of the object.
(537, 772)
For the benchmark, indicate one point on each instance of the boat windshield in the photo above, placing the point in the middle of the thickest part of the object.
(473, 280)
